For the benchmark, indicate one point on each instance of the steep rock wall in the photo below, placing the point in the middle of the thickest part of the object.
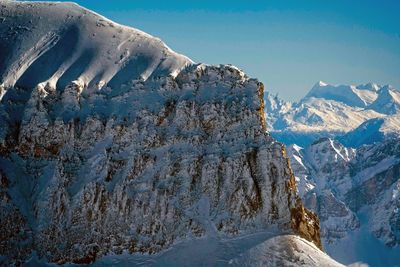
(127, 145)
(194, 161)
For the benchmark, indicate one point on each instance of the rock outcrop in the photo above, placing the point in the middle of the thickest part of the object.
(137, 164)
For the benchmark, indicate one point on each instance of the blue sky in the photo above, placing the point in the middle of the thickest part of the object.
(289, 45)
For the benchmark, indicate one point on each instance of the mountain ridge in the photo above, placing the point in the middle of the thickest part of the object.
(70, 52)
(335, 112)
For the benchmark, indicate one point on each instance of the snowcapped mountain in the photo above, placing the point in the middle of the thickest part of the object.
(347, 94)
(115, 148)
(334, 111)
(355, 193)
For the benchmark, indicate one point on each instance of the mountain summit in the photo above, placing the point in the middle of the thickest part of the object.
(347, 94)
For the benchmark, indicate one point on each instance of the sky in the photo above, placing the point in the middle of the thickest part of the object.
(289, 44)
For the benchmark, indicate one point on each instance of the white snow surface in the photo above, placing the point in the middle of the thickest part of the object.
(347, 94)
(59, 42)
(373, 130)
(259, 249)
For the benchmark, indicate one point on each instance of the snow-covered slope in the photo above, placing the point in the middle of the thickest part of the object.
(285, 250)
(355, 194)
(347, 94)
(333, 111)
(388, 101)
(259, 249)
(54, 44)
(112, 144)
(274, 107)
(373, 130)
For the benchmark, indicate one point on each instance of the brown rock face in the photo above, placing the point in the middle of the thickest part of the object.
(303, 221)
(306, 224)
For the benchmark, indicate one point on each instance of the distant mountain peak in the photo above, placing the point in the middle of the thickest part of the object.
(320, 84)
(346, 94)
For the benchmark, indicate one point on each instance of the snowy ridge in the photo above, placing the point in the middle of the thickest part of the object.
(62, 42)
(347, 94)
(343, 144)
(303, 253)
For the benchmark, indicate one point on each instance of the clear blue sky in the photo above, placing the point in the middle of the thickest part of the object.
(289, 45)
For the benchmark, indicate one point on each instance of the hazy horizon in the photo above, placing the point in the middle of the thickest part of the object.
(287, 45)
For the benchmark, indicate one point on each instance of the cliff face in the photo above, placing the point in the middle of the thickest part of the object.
(196, 162)
(140, 165)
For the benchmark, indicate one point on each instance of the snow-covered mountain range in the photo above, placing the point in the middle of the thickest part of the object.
(344, 148)
(356, 115)
(116, 150)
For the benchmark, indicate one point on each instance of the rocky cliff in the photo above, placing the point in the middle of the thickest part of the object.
(127, 146)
